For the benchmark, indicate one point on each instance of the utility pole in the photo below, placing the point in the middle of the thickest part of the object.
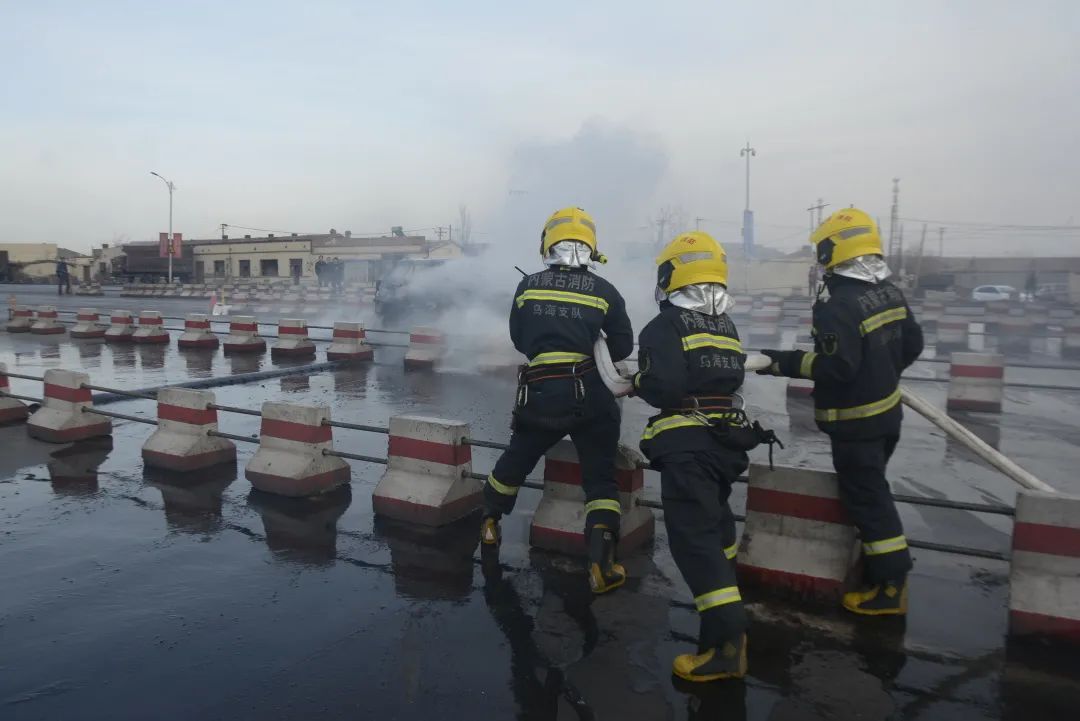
(223, 227)
(900, 249)
(918, 262)
(941, 242)
(697, 223)
(819, 207)
(171, 242)
(894, 247)
(439, 232)
(748, 215)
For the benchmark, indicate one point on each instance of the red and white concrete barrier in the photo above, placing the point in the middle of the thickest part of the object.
(559, 521)
(197, 333)
(180, 442)
(1044, 574)
(290, 459)
(797, 539)
(976, 382)
(1070, 344)
(121, 327)
(45, 323)
(426, 479)
(21, 318)
(11, 409)
(61, 418)
(427, 346)
(292, 339)
(243, 336)
(150, 328)
(349, 343)
(86, 325)
(952, 332)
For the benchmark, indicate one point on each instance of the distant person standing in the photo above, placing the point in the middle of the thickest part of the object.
(63, 278)
(338, 276)
(320, 270)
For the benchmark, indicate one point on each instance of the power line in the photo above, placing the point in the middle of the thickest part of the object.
(1000, 226)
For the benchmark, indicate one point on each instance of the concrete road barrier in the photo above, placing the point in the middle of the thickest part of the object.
(1070, 345)
(293, 340)
(46, 323)
(12, 410)
(87, 324)
(121, 327)
(349, 343)
(61, 418)
(180, 442)
(21, 318)
(559, 521)
(797, 539)
(290, 459)
(243, 336)
(1044, 574)
(426, 479)
(197, 333)
(150, 328)
(427, 346)
(952, 333)
(976, 382)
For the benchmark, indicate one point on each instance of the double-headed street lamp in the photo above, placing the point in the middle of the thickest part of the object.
(169, 246)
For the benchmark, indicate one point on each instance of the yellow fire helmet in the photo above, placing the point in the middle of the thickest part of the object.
(693, 257)
(570, 224)
(844, 235)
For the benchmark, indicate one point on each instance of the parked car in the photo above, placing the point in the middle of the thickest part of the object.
(994, 292)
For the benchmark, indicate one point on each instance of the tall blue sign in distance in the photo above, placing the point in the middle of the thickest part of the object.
(748, 232)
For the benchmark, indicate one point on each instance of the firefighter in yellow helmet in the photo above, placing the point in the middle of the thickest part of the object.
(555, 320)
(864, 337)
(691, 366)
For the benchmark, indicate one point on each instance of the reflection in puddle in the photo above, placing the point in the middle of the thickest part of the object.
(192, 499)
(74, 469)
(302, 530)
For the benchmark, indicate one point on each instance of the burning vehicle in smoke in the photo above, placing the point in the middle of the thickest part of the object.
(423, 290)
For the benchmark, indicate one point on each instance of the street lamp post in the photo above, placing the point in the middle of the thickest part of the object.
(748, 153)
(169, 243)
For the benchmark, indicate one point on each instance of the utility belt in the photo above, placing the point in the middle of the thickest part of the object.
(722, 416)
(551, 366)
(551, 371)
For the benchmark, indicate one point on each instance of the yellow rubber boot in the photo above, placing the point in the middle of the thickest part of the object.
(716, 664)
(604, 574)
(886, 599)
(490, 535)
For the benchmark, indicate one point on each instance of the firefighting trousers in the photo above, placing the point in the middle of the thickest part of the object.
(701, 534)
(860, 470)
(596, 439)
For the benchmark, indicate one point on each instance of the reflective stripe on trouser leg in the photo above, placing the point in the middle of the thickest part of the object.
(524, 452)
(865, 493)
(597, 442)
(717, 597)
(603, 511)
(700, 525)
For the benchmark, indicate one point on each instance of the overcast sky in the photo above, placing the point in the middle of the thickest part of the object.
(302, 116)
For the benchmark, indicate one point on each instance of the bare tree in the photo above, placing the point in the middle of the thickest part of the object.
(464, 223)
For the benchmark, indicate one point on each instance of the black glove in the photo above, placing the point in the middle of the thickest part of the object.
(784, 363)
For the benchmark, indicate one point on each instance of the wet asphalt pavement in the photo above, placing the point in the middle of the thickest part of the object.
(130, 594)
